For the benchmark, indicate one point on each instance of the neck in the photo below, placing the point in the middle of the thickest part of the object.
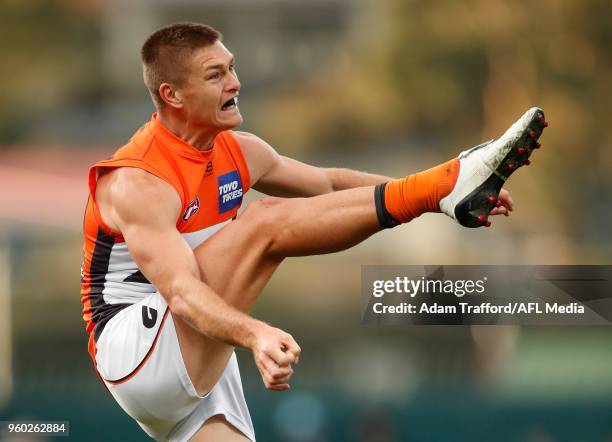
(201, 138)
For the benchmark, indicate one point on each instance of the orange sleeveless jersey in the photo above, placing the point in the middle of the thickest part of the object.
(210, 184)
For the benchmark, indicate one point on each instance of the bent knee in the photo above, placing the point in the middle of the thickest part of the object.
(265, 203)
(266, 218)
(263, 209)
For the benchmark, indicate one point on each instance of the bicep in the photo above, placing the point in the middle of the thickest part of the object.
(161, 254)
(148, 225)
(289, 177)
(277, 175)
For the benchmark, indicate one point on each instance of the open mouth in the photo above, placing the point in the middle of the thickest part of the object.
(230, 104)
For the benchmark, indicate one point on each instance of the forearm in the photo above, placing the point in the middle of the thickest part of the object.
(341, 179)
(203, 309)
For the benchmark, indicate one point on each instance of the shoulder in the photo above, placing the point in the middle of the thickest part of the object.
(259, 155)
(121, 180)
(250, 141)
(131, 193)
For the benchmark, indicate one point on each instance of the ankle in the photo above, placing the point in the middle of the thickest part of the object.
(410, 197)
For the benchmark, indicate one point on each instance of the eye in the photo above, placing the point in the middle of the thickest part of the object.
(232, 67)
(214, 76)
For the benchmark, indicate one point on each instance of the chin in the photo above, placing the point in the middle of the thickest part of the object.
(231, 123)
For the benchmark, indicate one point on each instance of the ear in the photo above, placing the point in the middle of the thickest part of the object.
(170, 95)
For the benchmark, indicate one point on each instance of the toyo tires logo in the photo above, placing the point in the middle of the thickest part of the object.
(230, 191)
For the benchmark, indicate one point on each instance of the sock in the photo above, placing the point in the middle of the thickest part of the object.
(400, 201)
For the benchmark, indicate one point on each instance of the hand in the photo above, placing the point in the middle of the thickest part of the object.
(275, 352)
(504, 205)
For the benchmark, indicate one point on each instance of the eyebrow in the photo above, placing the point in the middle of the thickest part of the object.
(219, 65)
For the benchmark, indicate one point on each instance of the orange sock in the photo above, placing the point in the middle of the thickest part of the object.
(416, 194)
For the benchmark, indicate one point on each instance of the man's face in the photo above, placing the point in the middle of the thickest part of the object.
(210, 93)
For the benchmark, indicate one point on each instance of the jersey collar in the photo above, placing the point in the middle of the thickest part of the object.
(172, 141)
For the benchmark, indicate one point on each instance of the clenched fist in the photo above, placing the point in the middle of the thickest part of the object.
(275, 353)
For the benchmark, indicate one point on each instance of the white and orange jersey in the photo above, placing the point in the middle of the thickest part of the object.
(211, 185)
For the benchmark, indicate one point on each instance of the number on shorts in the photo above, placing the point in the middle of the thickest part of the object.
(149, 316)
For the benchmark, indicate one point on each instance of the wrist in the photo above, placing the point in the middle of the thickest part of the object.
(252, 330)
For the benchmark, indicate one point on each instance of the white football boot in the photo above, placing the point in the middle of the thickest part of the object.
(484, 169)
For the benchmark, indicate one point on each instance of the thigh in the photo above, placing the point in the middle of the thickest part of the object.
(234, 264)
(217, 428)
(205, 358)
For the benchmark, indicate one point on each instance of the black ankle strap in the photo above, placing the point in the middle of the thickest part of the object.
(385, 219)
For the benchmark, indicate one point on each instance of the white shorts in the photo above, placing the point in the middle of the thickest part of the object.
(139, 358)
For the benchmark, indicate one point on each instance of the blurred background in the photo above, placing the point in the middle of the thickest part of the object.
(386, 86)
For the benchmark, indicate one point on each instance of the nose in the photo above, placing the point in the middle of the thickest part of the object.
(233, 84)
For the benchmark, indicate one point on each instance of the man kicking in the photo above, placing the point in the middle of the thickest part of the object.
(168, 278)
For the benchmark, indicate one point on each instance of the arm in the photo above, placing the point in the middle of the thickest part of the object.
(277, 175)
(148, 225)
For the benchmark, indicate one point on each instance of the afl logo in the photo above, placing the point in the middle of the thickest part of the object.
(191, 209)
